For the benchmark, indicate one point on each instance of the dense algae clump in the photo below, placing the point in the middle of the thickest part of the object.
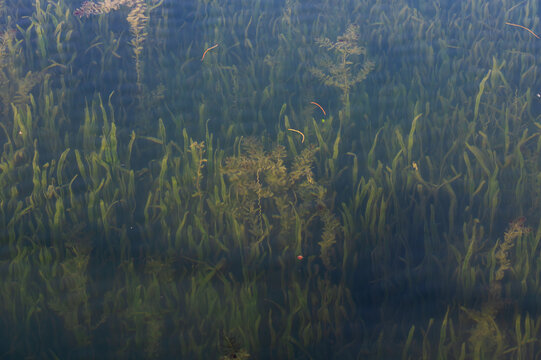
(272, 200)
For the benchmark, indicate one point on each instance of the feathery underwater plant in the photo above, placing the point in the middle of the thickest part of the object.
(137, 18)
(339, 70)
(515, 230)
(231, 349)
(88, 8)
(486, 337)
(268, 193)
(14, 86)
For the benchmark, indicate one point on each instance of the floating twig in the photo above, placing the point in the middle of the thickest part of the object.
(297, 131)
(321, 107)
(205, 53)
(523, 27)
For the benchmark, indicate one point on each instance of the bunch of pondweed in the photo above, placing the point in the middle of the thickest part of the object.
(137, 18)
(488, 335)
(339, 68)
(15, 86)
(270, 199)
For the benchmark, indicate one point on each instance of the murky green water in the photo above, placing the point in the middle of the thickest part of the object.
(288, 179)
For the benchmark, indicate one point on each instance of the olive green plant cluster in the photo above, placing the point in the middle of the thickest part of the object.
(274, 202)
(137, 18)
(488, 336)
(492, 325)
(15, 86)
(345, 66)
(232, 349)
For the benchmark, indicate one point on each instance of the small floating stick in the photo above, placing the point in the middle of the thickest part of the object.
(321, 107)
(523, 27)
(205, 53)
(297, 131)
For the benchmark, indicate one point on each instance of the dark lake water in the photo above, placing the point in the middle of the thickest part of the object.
(270, 179)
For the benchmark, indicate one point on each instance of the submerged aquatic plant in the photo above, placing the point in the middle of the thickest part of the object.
(269, 196)
(231, 349)
(488, 335)
(514, 231)
(339, 70)
(88, 8)
(137, 18)
(258, 175)
(15, 86)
